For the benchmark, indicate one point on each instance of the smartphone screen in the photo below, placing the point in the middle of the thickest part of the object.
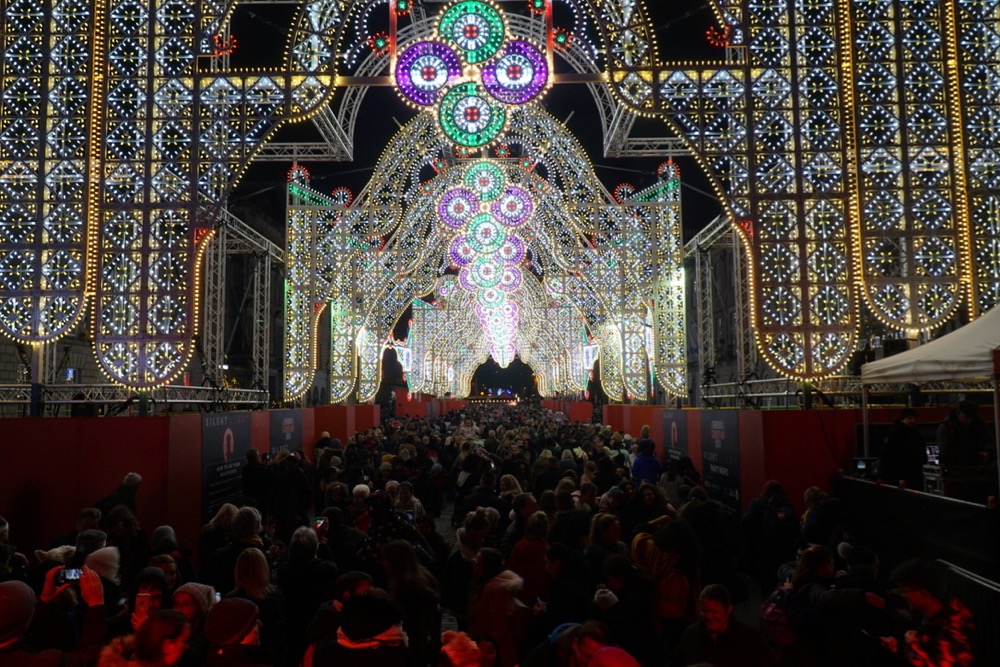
(142, 604)
(70, 574)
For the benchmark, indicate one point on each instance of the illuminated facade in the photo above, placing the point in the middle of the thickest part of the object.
(854, 143)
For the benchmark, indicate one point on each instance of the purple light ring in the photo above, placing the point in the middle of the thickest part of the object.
(403, 74)
(513, 51)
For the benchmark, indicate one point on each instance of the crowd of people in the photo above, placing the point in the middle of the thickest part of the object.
(495, 536)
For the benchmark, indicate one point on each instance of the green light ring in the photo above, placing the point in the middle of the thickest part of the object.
(461, 95)
(486, 179)
(486, 17)
(485, 234)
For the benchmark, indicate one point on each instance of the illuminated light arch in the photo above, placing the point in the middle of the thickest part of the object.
(419, 225)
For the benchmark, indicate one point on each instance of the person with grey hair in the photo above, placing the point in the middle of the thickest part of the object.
(306, 581)
(245, 531)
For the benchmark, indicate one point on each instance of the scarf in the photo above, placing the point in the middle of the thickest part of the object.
(392, 636)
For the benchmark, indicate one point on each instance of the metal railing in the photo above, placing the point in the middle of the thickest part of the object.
(113, 400)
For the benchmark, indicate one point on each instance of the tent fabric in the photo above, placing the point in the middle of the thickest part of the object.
(964, 355)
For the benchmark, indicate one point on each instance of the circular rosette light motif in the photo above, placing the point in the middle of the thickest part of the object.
(469, 118)
(458, 206)
(475, 27)
(485, 234)
(466, 281)
(512, 250)
(486, 272)
(485, 179)
(491, 297)
(510, 279)
(460, 251)
(423, 71)
(514, 207)
(517, 76)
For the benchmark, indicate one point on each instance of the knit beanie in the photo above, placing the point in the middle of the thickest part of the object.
(17, 604)
(612, 656)
(132, 479)
(164, 539)
(89, 541)
(203, 595)
(106, 563)
(230, 621)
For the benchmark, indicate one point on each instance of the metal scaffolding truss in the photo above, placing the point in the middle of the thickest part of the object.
(235, 237)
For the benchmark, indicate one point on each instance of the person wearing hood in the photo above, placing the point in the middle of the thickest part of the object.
(19, 608)
(194, 601)
(371, 635)
(494, 610)
(233, 632)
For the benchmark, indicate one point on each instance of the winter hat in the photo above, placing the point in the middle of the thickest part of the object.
(437, 468)
(17, 604)
(164, 539)
(230, 621)
(460, 649)
(385, 466)
(369, 615)
(106, 563)
(90, 541)
(612, 656)
(203, 595)
(132, 479)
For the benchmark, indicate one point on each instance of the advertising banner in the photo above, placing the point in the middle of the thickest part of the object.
(720, 455)
(225, 440)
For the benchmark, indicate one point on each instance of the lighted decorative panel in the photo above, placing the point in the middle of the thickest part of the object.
(119, 141)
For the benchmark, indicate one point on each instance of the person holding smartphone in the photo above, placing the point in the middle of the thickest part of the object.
(20, 606)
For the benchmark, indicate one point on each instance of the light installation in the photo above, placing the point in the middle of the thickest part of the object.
(473, 76)
(504, 253)
(853, 143)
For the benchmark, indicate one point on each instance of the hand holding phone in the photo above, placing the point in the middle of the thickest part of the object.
(70, 575)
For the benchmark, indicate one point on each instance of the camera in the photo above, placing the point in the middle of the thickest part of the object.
(69, 575)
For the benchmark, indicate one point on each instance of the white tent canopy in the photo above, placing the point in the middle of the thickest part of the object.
(964, 355)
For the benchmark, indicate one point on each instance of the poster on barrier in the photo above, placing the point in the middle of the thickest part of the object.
(225, 440)
(286, 430)
(675, 445)
(720, 457)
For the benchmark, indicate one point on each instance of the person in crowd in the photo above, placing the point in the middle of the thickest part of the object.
(456, 586)
(819, 610)
(495, 610)
(193, 601)
(89, 518)
(232, 629)
(569, 645)
(371, 635)
(527, 559)
(106, 563)
(770, 532)
(147, 593)
(416, 591)
(328, 617)
(944, 635)
(20, 609)
(646, 467)
(124, 532)
(523, 506)
(306, 581)
(217, 532)
(903, 453)
(717, 638)
(163, 542)
(627, 604)
(161, 641)
(252, 582)
(605, 541)
(245, 533)
(670, 556)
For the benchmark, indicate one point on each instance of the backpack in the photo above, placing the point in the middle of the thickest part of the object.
(775, 625)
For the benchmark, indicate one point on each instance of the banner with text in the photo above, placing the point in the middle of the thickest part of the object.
(720, 455)
(675, 445)
(225, 440)
(286, 430)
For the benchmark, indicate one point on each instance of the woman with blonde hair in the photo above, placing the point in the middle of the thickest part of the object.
(252, 576)
(215, 533)
(510, 488)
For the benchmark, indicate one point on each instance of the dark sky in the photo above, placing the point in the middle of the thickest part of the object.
(680, 27)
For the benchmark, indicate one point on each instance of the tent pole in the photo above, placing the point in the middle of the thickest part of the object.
(996, 405)
(864, 418)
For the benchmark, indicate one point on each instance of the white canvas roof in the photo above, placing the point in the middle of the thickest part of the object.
(964, 355)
